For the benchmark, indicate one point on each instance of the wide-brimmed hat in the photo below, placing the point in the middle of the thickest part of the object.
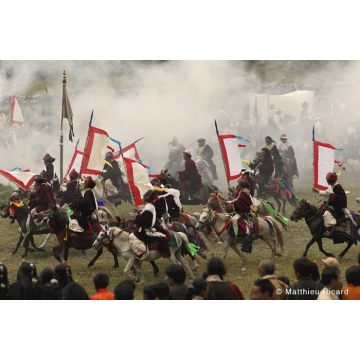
(283, 136)
(187, 152)
(201, 139)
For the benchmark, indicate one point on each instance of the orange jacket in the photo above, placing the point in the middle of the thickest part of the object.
(103, 294)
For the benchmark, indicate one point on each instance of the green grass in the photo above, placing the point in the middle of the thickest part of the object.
(295, 240)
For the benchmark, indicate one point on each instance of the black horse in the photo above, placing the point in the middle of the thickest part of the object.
(314, 220)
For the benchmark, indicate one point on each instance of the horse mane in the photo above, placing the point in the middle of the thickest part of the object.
(307, 204)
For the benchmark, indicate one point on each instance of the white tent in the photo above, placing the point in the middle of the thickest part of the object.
(289, 104)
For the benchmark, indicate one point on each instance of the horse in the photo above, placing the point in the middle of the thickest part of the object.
(199, 197)
(219, 223)
(120, 239)
(204, 171)
(314, 220)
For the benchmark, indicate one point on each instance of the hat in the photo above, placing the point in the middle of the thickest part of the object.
(331, 177)
(48, 158)
(174, 138)
(187, 152)
(283, 136)
(89, 182)
(149, 196)
(73, 174)
(243, 183)
(330, 261)
(109, 154)
(201, 139)
(39, 178)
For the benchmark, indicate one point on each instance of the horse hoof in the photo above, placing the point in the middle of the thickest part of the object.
(41, 249)
(115, 266)
(14, 252)
(278, 254)
(339, 257)
(89, 266)
(31, 250)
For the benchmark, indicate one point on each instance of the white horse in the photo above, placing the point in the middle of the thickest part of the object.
(218, 222)
(120, 239)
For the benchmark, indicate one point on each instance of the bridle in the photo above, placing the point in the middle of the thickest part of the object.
(306, 212)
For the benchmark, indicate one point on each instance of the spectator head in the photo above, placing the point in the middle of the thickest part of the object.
(266, 267)
(46, 276)
(352, 275)
(330, 277)
(161, 290)
(63, 275)
(199, 287)
(101, 280)
(148, 292)
(262, 290)
(330, 261)
(175, 274)
(75, 291)
(216, 266)
(303, 267)
(284, 279)
(125, 290)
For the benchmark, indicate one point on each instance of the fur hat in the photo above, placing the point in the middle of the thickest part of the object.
(331, 177)
(187, 152)
(48, 158)
(73, 174)
(109, 154)
(241, 181)
(89, 182)
(150, 196)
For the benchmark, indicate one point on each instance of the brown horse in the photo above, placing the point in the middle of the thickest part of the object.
(314, 220)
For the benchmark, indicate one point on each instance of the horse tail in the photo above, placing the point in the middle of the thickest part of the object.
(279, 233)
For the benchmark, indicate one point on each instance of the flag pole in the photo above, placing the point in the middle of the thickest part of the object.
(222, 155)
(68, 169)
(86, 142)
(61, 125)
(313, 141)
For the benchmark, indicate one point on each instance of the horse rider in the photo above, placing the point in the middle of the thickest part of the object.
(86, 205)
(279, 165)
(286, 150)
(265, 167)
(205, 152)
(190, 177)
(44, 199)
(72, 189)
(335, 205)
(242, 204)
(49, 167)
(111, 174)
(148, 229)
(175, 155)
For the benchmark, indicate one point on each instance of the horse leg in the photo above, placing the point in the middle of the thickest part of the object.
(283, 209)
(33, 243)
(155, 268)
(319, 242)
(272, 245)
(115, 255)
(41, 247)
(57, 251)
(184, 263)
(235, 248)
(21, 238)
(26, 246)
(309, 244)
(276, 198)
(98, 254)
(349, 245)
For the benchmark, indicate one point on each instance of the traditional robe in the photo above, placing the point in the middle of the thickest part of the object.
(44, 198)
(83, 208)
(113, 173)
(72, 192)
(191, 174)
(336, 200)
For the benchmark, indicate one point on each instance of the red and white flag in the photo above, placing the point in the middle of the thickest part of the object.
(129, 152)
(138, 179)
(95, 149)
(75, 162)
(23, 179)
(17, 117)
(231, 156)
(324, 159)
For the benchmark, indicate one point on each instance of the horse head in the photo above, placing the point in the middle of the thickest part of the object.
(102, 238)
(205, 218)
(301, 210)
(5, 210)
(358, 200)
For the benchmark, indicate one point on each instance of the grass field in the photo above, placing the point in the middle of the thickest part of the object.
(295, 240)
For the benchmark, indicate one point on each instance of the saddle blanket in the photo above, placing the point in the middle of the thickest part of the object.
(345, 231)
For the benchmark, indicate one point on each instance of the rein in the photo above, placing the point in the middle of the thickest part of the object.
(213, 222)
(303, 214)
(110, 236)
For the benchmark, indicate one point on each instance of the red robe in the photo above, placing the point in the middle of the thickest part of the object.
(72, 192)
(44, 198)
(336, 202)
(191, 173)
(83, 208)
(243, 203)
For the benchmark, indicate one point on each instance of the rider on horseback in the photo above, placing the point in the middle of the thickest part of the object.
(190, 176)
(72, 189)
(279, 165)
(44, 197)
(49, 168)
(84, 207)
(205, 152)
(286, 150)
(149, 228)
(265, 167)
(335, 205)
(175, 158)
(111, 174)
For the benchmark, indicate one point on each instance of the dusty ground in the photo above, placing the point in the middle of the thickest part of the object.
(295, 240)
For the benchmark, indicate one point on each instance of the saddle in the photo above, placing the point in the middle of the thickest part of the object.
(272, 185)
(85, 239)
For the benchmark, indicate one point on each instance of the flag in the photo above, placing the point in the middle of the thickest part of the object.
(129, 152)
(231, 155)
(75, 162)
(95, 148)
(66, 109)
(23, 179)
(323, 162)
(138, 178)
(17, 117)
